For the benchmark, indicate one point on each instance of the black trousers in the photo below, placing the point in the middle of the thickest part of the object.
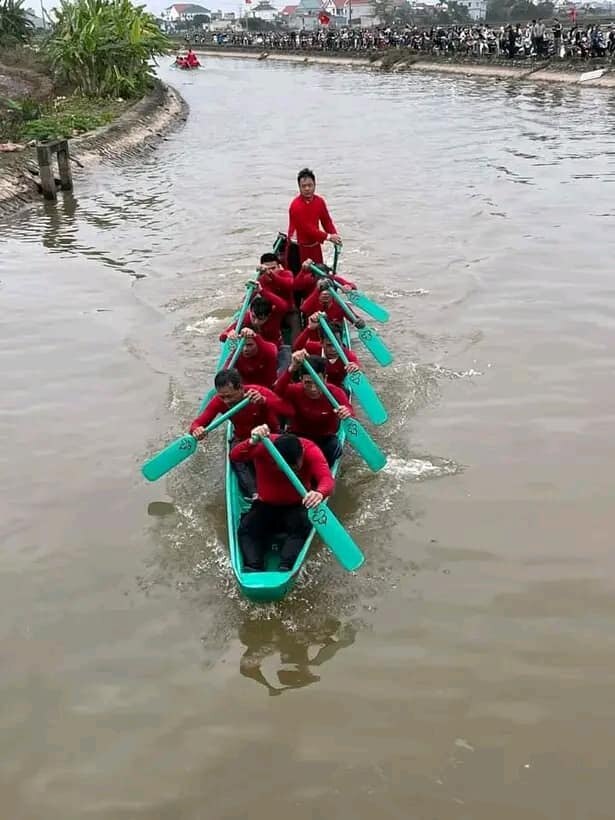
(331, 448)
(262, 522)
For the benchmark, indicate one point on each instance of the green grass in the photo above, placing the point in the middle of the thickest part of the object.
(62, 117)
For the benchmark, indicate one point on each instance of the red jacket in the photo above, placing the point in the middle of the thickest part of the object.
(311, 304)
(312, 418)
(272, 485)
(336, 370)
(251, 416)
(305, 281)
(271, 330)
(261, 369)
(281, 282)
(304, 221)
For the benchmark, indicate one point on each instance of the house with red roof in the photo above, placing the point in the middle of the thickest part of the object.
(183, 11)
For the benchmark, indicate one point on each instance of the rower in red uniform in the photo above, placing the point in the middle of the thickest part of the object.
(258, 361)
(306, 214)
(265, 316)
(321, 300)
(306, 280)
(278, 507)
(312, 415)
(265, 408)
(316, 343)
(276, 278)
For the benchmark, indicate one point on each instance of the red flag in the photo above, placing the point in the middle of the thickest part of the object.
(247, 2)
(324, 19)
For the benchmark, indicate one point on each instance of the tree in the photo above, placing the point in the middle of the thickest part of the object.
(105, 48)
(16, 25)
(201, 20)
(457, 13)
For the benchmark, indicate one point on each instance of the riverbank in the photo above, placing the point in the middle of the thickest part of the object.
(138, 128)
(542, 71)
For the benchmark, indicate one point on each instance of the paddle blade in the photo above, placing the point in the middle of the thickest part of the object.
(170, 457)
(364, 303)
(362, 389)
(336, 538)
(361, 441)
(376, 346)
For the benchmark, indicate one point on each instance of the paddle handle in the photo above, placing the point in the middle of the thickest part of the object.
(336, 255)
(279, 242)
(331, 336)
(321, 385)
(235, 355)
(244, 307)
(226, 416)
(283, 465)
(352, 317)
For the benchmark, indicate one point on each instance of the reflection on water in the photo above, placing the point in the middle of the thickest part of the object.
(299, 650)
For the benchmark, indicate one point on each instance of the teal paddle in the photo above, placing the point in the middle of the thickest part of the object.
(279, 242)
(181, 448)
(358, 382)
(367, 335)
(227, 347)
(337, 249)
(322, 519)
(356, 297)
(356, 434)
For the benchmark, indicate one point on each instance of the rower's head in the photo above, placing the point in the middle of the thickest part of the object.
(324, 295)
(291, 450)
(329, 351)
(306, 180)
(229, 387)
(250, 348)
(312, 391)
(260, 311)
(270, 262)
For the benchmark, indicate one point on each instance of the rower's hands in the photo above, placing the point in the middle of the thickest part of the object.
(296, 360)
(335, 238)
(199, 433)
(255, 397)
(313, 322)
(248, 333)
(352, 367)
(343, 413)
(323, 284)
(307, 263)
(259, 432)
(232, 334)
(312, 499)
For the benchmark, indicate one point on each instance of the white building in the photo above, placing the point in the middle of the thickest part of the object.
(264, 11)
(183, 12)
(477, 9)
(352, 12)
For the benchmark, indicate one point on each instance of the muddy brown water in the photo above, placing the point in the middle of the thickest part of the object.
(468, 670)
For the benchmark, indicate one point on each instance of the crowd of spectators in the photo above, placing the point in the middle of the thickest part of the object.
(523, 40)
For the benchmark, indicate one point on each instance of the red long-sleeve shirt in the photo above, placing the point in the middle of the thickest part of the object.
(263, 367)
(271, 329)
(281, 282)
(313, 418)
(304, 221)
(250, 416)
(336, 369)
(311, 304)
(305, 281)
(272, 485)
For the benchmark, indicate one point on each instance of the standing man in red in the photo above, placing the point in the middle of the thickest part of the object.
(309, 222)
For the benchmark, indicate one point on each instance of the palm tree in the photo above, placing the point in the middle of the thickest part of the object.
(16, 24)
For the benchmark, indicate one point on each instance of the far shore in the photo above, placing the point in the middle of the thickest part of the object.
(543, 71)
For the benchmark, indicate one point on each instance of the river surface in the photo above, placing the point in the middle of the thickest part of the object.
(467, 672)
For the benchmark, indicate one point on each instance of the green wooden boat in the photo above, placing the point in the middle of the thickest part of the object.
(270, 585)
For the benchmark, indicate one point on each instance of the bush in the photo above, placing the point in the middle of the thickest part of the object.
(16, 25)
(66, 117)
(104, 48)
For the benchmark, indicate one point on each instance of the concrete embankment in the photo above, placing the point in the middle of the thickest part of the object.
(139, 128)
(537, 72)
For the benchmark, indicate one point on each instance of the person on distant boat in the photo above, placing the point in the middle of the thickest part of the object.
(192, 60)
(278, 507)
(312, 415)
(315, 341)
(258, 361)
(306, 214)
(265, 407)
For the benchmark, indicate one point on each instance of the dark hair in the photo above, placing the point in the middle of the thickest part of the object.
(260, 307)
(269, 257)
(336, 329)
(289, 447)
(226, 378)
(318, 363)
(306, 173)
